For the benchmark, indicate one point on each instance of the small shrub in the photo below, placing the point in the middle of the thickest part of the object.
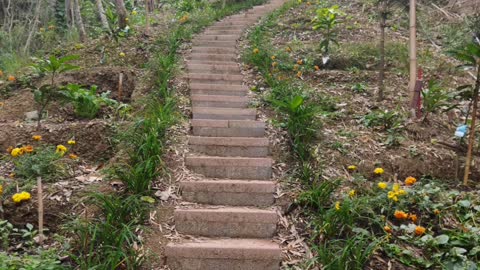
(44, 162)
(86, 101)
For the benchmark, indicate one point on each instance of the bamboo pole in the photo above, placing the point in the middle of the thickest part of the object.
(40, 210)
(413, 54)
(471, 138)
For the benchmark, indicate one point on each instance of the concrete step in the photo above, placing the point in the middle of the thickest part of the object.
(217, 101)
(224, 32)
(235, 222)
(224, 113)
(214, 50)
(229, 192)
(229, 146)
(213, 57)
(224, 254)
(224, 79)
(210, 62)
(213, 69)
(223, 37)
(228, 128)
(210, 43)
(218, 89)
(231, 167)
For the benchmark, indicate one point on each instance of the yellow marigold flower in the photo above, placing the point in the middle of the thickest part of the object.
(12, 175)
(127, 19)
(51, 27)
(317, 68)
(396, 187)
(413, 218)
(1, 190)
(419, 230)
(122, 54)
(134, 12)
(400, 215)
(20, 197)
(410, 181)
(27, 149)
(73, 156)
(379, 171)
(300, 62)
(436, 212)
(37, 138)
(401, 192)
(61, 149)
(72, 142)
(273, 57)
(351, 193)
(382, 185)
(337, 206)
(288, 49)
(183, 19)
(392, 195)
(295, 67)
(387, 229)
(299, 74)
(256, 51)
(41, 29)
(16, 152)
(352, 168)
(274, 64)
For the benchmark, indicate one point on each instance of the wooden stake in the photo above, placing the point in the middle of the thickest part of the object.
(471, 138)
(40, 210)
(120, 86)
(413, 53)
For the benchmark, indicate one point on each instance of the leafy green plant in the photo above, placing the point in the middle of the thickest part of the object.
(435, 99)
(6, 229)
(86, 101)
(327, 20)
(384, 119)
(44, 162)
(359, 88)
(28, 234)
(46, 93)
(40, 260)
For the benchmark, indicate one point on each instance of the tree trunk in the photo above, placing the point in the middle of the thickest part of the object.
(471, 138)
(122, 13)
(381, 74)
(147, 16)
(34, 27)
(413, 54)
(68, 13)
(101, 14)
(79, 21)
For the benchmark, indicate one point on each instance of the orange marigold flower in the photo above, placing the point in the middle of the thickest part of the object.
(299, 74)
(387, 229)
(400, 215)
(410, 181)
(28, 149)
(37, 138)
(413, 218)
(300, 62)
(73, 156)
(9, 149)
(436, 212)
(419, 230)
(317, 68)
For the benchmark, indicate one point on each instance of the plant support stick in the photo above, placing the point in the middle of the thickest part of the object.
(471, 138)
(40, 209)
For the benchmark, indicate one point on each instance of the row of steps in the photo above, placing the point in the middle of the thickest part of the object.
(231, 218)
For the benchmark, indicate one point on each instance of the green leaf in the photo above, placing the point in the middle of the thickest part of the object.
(465, 203)
(147, 199)
(296, 102)
(442, 239)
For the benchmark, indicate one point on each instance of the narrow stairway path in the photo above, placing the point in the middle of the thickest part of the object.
(233, 220)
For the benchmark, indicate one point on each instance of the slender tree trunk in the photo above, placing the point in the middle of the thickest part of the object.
(147, 17)
(413, 54)
(471, 138)
(68, 13)
(122, 13)
(381, 74)
(79, 21)
(34, 27)
(101, 14)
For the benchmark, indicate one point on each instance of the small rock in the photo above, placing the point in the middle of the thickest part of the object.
(31, 116)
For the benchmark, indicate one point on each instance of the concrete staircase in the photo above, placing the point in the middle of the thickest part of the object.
(233, 219)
